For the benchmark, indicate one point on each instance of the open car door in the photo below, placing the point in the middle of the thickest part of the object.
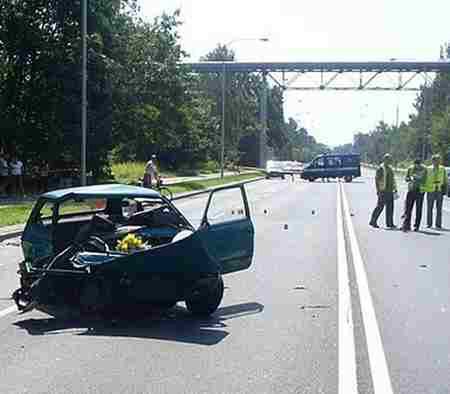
(226, 232)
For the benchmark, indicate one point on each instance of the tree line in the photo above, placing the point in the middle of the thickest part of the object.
(140, 99)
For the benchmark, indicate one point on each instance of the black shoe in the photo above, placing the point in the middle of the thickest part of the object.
(416, 228)
(406, 229)
(439, 227)
(392, 226)
(428, 225)
(374, 225)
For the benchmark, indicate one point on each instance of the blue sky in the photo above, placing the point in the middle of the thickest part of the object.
(346, 30)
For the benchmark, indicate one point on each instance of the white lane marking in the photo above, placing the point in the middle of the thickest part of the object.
(378, 365)
(7, 311)
(347, 361)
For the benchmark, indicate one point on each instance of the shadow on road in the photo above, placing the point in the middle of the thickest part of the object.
(175, 324)
(425, 232)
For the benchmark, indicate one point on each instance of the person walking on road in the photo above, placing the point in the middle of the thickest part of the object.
(436, 186)
(416, 177)
(386, 187)
(151, 172)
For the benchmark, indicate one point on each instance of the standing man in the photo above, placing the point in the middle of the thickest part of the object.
(4, 173)
(16, 167)
(151, 172)
(436, 186)
(416, 177)
(386, 187)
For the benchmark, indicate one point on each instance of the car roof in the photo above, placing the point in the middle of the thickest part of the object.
(102, 191)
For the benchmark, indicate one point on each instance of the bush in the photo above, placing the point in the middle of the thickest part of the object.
(186, 171)
(209, 167)
(128, 172)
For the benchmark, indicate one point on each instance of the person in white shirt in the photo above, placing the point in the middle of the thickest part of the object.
(16, 167)
(4, 173)
(151, 172)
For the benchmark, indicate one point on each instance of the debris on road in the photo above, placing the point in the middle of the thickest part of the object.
(315, 307)
(299, 288)
(423, 266)
(286, 226)
(313, 212)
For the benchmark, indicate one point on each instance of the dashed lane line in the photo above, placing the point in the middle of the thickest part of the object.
(377, 359)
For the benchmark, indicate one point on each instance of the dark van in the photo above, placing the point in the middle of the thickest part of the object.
(346, 166)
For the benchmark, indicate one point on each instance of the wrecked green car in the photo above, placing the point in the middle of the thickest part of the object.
(106, 248)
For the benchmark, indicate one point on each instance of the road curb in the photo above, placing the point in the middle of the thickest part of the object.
(16, 233)
(12, 234)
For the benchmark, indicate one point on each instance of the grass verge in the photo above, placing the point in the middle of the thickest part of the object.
(190, 186)
(17, 214)
(14, 214)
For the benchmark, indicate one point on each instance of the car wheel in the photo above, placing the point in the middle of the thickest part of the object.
(311, 179)
(205, 299)
(348, 179)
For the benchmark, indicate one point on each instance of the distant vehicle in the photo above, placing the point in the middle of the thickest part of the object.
(292, 167)
(275, 169)
(346, 166)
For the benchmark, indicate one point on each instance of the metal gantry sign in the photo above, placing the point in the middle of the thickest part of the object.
(338, 76)
(291, 75)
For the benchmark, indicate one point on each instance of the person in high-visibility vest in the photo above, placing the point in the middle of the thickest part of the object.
(386, 187)
(416, 177)
(436, 186)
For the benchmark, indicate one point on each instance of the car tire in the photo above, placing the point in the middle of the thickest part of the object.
(311, 179)
(348, 179)
(205, 300)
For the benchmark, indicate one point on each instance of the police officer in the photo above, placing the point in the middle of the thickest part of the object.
(416, 177)
(386, 187)
(436, 186)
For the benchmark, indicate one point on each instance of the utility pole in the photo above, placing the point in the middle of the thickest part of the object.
(263, 120)
(222, 137)
(397, 116)
(83, 90)
(426, 121)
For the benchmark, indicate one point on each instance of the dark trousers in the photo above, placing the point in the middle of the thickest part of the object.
(385, 199)
(413, 197)
(432, 197)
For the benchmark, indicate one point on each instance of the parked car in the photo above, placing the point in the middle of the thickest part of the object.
(346, 166)
(106, 248)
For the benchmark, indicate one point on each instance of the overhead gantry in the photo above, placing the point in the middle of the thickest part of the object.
(390, 75)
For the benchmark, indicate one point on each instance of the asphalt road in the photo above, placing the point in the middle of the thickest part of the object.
(330, 305)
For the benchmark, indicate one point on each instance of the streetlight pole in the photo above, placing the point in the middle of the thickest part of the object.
(83, 90)
(263, 115)
(222, 138)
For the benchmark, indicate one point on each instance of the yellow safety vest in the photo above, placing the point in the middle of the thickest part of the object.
(436, 179)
